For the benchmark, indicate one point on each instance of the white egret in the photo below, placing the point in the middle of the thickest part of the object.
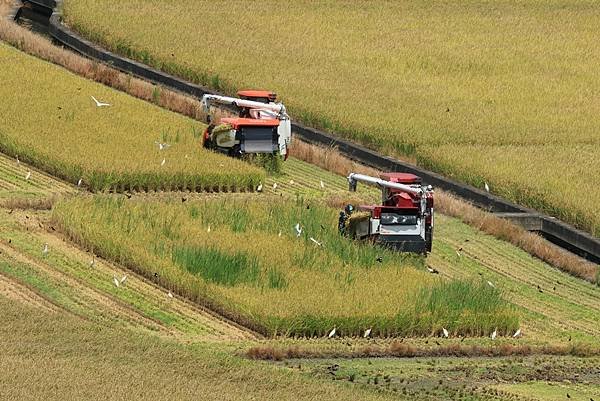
(446, 334)
(367, 333)
(79, 182)
(487, 187)
(28, 175)
(259, 188)
(208, 229)
(45, 250)
(92, 262)
(291, 182)
(116, 281)
(123, 279)
(170, 295)
(279, 235)
(517, 333)
(163, 162)
(162, 146)
(331, 333)
(298, 230)
(494, 334)
(18, 161)
(274, 186)
(322, 184)
(490, 284)
(100, 104)
(315, 241)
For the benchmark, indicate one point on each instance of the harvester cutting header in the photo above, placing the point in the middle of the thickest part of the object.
(262, 125)
(403, 221)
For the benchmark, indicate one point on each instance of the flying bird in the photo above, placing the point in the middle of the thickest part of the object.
(99, 104)
(45, 250)
(163, 162)
(517, 333)
(259, 188)
(494, 334)
(315, 241)
(28, 176)
(445, 332)
(367, 333)
(79, 182)
(487, 187)
(331, 333)
(298, 230)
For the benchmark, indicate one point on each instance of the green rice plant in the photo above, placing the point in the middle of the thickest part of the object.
(263, 274)
(409, 75)
(109, 148)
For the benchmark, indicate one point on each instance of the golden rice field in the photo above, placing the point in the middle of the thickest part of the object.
(245, 259)
(396, 76)
(49, 120)
(569, 193)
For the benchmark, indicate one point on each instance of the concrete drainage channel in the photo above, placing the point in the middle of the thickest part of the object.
(556, 231)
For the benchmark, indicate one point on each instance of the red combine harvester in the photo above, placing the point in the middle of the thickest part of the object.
(262, 125)
(403, 221)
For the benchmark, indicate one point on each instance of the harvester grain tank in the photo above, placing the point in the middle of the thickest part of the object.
(403, 221)
(262, 125)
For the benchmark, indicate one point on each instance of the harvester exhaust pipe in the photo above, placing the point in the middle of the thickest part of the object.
(353, 179)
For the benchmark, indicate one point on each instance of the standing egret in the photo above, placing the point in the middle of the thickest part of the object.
(517, 333)
(163, 162)
(18, 161)
(116, 281)
(367, 333)
(92, 262)
(322, 184)
(298, 230)
(28, 176)
(170, 295)
(274, 186)
(487, 187)
(79, 182)
(162, 146)
(45, 250)
(494, 334)
(279, 235)
(123, 279)
(291, 182)
(490, 284)
(331, 333)
(259, 188)
(446, 334)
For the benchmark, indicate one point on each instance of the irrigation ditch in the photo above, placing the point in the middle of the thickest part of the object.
(46, 17)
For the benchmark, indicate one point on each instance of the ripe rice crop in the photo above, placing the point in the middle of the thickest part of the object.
(49, 119)
(569, 193)
(395, 76)
(245, 259)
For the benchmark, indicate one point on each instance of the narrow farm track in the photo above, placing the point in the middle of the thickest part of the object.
(40, 184)
(65, 274)
(562, 306)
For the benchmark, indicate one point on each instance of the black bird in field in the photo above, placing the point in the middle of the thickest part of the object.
(52, 228)
(569, 338)
(183, 199)
(540, 289)
(307, 207)
(155, 275)
(322, 227)
(438, 343)
(568, 396)
(10, 241)
(379, 259)
(10, 211)
(128, 196)
(447, 109)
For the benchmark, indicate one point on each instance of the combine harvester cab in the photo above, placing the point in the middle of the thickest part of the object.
(403, 221)
(262, 126)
